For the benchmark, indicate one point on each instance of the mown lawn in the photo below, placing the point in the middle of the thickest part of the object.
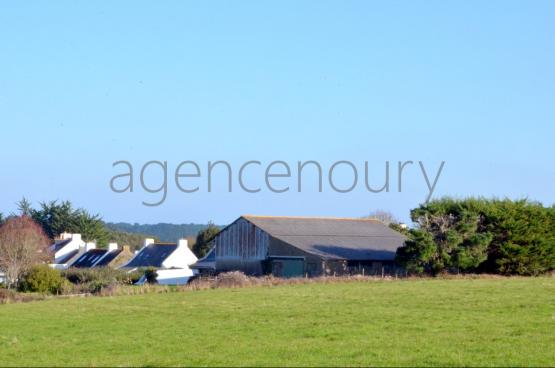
(424, 322)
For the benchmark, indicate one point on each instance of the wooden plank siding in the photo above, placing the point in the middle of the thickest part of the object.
(241, 246)
(246, 247)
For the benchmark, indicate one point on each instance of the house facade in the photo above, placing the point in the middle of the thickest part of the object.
(66, 246)
(295, 246)
(171, 261)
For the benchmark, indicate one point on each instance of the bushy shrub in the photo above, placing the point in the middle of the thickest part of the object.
(151, 275)
(6, 295)
(134, 276)
(42, 279)
(231, 280)
(93, 280)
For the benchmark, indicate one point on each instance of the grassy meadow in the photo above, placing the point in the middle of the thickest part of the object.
(497, 321)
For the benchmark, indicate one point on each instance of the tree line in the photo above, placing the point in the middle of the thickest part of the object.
(164, 231)
(480, 235)
(56, 217)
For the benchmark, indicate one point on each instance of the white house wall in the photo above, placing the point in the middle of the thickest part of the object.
(174, 276)
(182, 257)
(74, 244)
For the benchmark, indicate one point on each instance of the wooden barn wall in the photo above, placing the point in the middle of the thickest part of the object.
(243, 247)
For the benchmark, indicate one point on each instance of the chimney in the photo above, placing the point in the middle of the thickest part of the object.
(75, 237)
(147, 242)
(112, 247)
(64, 236)
(126, 248)
(182, 243)
(89, 246)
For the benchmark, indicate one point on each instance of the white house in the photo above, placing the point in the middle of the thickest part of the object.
(68, 249)
(65, 246)
(171, 260)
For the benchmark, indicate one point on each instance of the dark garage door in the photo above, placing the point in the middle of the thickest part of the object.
(287, 267)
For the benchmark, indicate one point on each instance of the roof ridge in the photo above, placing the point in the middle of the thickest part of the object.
(337, 235)
(313, 218)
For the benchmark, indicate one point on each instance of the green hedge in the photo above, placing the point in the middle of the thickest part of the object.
(480, 235)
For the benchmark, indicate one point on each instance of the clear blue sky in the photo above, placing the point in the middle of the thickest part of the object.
(85, 84)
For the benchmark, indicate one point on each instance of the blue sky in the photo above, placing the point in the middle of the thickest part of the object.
(82, 85)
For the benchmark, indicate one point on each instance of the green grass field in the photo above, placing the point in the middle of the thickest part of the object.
(418, 322)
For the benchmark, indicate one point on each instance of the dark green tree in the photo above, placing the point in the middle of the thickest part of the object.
(418, 254)
(91, 227)
(523, 237)
(56, 218)
(476, 234)
(24, 207)
(202, 244)
(453, 230)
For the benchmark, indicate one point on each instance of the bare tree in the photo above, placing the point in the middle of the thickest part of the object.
(383, 216)
(22, 245)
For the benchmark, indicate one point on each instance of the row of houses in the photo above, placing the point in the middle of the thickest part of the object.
(255, 245)
(171, 260)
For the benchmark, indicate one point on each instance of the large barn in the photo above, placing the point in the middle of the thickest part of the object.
(295, 246)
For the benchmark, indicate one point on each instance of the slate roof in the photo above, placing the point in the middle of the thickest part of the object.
(89, 258)
(153, 255)
(60, 244)
(108, 258)
(334, 238)
(68, 256)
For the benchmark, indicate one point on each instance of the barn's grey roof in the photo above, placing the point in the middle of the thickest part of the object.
(153, 255)
(89, 258)
(334, 238)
